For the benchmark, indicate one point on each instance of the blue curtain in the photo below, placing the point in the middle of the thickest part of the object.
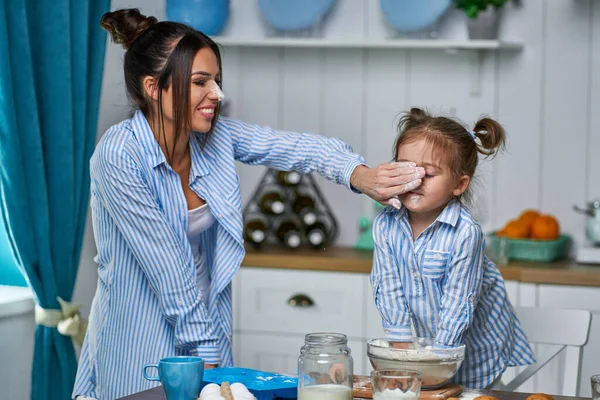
(51, 61)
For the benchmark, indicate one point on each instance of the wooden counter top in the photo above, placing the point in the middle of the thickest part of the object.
(344, 259)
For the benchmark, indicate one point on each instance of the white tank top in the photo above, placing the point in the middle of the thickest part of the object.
(200, 219)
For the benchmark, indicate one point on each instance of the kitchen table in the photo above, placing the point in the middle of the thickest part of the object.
(158, 394)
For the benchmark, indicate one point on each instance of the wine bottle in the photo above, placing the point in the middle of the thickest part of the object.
(317, 235)
(304, 207)
(272, 202)
(288, 178)
(288, 233)
(256, 231)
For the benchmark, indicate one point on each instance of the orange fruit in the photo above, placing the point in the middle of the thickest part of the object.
(545, 227)
(527, 218)
(515, 230)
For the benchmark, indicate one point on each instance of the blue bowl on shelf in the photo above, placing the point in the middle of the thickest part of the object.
(286, 15)
(413, 15)
(207, 16)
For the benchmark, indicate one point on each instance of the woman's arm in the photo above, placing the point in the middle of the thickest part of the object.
(387, 285)
(121, 189)
(461, 290)
(330, 157)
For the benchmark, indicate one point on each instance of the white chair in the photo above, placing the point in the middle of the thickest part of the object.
(567, 330)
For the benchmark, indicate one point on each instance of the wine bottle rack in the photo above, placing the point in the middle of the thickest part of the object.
(306, 186)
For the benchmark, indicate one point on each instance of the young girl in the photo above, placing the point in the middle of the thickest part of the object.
(429, 267)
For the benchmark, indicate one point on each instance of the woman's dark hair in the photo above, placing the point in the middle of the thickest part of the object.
(164, 51)
(454, 144)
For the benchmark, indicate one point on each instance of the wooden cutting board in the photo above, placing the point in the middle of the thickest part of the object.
(362, 389)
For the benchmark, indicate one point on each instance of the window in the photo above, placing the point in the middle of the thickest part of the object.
(9, 271)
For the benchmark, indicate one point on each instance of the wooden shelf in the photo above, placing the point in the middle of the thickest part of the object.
(449, 45)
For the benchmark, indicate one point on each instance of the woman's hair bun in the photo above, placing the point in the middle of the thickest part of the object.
(126, 25)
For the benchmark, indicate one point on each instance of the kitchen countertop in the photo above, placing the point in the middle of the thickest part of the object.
(345, 259)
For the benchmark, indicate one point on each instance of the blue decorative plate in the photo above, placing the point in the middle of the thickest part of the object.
(293, 15)
(208, 16)
(413, 15)
(263, 385)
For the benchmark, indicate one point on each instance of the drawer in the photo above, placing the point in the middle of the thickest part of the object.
(279, 353)
(336, 299)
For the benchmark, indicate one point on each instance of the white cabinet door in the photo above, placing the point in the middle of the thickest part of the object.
(512, 289)
(270, 353)
(236, 298)
(336, 301)
(373, 328)
(275, 353)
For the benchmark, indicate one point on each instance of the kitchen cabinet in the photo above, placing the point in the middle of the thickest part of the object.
(272, 318)
(298, 302)
(269, 331)
(279, 353)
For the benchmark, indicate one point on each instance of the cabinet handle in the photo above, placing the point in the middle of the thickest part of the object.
(300, 300)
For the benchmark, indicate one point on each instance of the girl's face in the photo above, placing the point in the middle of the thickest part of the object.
(205, 93)
(439, 184)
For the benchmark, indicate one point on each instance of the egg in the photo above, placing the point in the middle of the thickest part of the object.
(241, 392)
(211, 387)
(238, 391)
(210, 390)
(212, 396)
(238, 388)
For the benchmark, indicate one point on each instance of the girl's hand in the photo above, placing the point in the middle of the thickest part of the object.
(401, 345)
(387, 181)
(210, 366)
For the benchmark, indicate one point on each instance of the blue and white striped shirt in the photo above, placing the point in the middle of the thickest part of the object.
(147, 304)
(443, 284)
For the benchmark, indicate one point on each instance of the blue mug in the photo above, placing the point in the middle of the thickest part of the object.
(181, 377)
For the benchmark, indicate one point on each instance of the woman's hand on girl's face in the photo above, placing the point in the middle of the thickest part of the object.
(387, 181)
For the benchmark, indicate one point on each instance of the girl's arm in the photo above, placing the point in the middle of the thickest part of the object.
(387, 283)
(461, 290)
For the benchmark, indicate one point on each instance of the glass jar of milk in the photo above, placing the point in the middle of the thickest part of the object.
(325, 368)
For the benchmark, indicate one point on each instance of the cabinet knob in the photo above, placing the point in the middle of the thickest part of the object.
(300, 300)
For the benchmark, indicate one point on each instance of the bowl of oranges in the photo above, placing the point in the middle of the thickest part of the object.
(531, 237)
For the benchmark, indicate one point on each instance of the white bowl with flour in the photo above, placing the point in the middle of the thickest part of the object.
(437, 365)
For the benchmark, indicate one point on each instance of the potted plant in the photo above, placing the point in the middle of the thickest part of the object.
(483, 17)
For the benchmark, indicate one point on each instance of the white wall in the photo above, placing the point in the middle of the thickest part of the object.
(17, 332)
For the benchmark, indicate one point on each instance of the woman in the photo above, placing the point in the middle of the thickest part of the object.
(166, 206)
